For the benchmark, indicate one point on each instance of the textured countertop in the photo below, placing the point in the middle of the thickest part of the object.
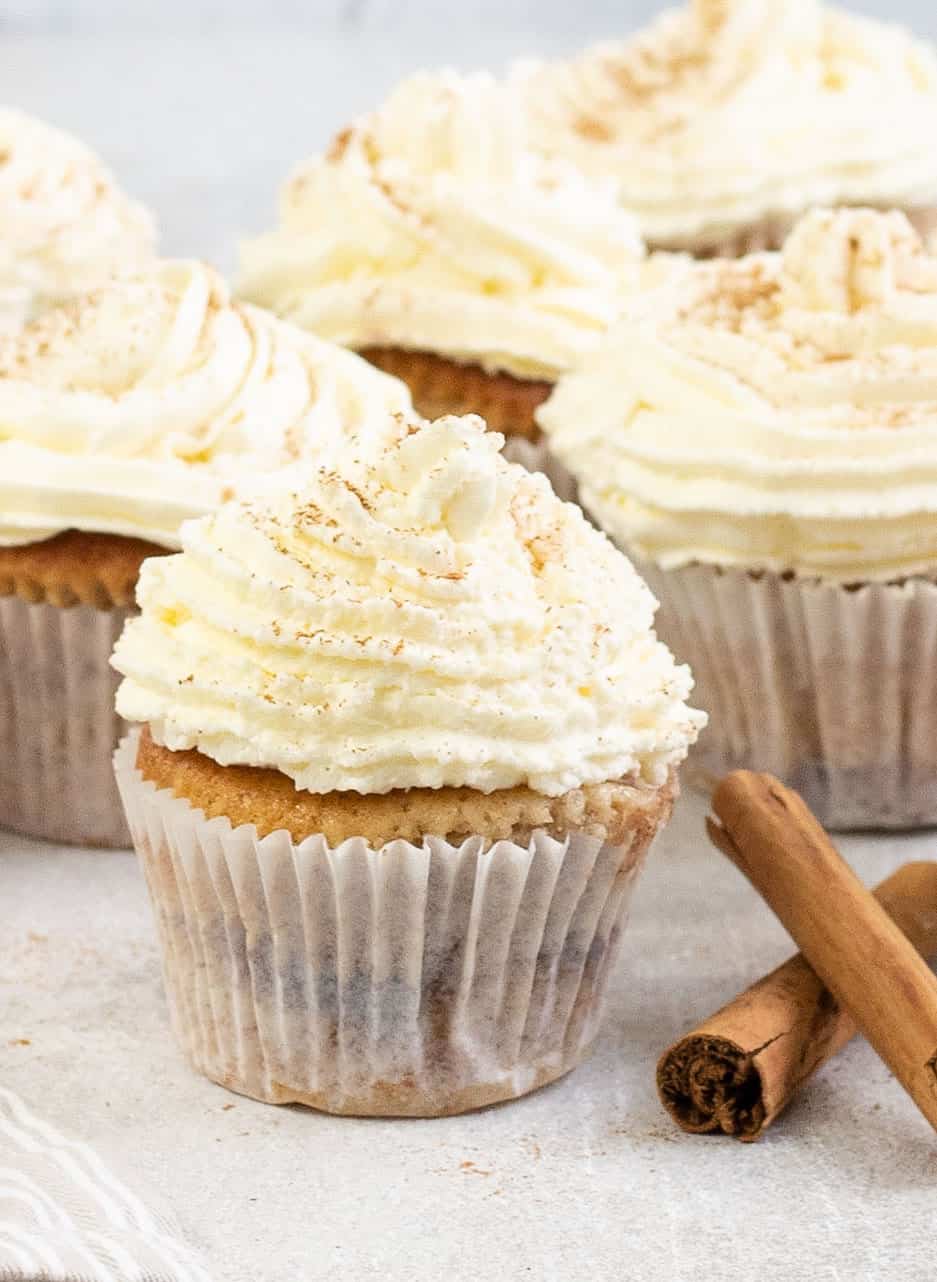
(585, 1180)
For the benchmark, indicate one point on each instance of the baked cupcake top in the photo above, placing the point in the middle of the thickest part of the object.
(421, 614)
(777, 412)
(153, 398)
(726, 112)
(431, 225)
(65, 225)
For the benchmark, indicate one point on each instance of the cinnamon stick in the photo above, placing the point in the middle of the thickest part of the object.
(851, 943)
(740, 1068)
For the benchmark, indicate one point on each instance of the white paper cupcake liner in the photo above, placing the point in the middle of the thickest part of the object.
(58, 727)
(409, 980)
(829, 688)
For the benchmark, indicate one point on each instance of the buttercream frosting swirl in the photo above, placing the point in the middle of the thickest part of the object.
(778, 412)
(65, 225)
(725, 113)
(155, 397)
(433, 225)
(419, 614)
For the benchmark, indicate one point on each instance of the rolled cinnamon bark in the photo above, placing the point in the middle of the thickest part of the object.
(849, 940)
(741, 1067)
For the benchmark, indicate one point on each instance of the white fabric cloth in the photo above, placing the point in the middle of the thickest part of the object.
(66, 1217)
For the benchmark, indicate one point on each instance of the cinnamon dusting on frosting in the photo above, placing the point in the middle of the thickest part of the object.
(459, 627)
(722, 119)
(777, 412)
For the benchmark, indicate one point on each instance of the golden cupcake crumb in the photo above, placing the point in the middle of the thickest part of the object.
(613, 811)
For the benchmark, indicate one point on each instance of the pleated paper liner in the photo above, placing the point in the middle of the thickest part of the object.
(829, 688)
(404, 981)
(58, 727)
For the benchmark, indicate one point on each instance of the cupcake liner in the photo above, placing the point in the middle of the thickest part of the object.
(58, 727)
(408, 980)
(822, 685)
(441, 386)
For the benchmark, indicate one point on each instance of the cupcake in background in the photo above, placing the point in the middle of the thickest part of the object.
(65, 225)
(408, 735)
(725, 120)
(435, 242)
(765, 444)
(123, 413)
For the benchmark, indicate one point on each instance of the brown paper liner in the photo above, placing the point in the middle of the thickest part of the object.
(441, 386)
(58, 727)
(408, 980)
(827, 687)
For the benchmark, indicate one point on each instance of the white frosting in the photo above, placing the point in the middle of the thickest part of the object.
(432, 226)
(778, 412)
(152, 399)
(726, 112)
(64, 224)
(419, 615)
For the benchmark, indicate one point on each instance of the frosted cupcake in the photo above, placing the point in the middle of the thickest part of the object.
(122, 414)
(766, 445)
(408, 735)
(65, 225)
(434, 241)
(725, 120)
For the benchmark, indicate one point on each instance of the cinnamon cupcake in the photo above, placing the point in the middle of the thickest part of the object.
(765, 443)
(725, 120)
(65, 225)
(408, 735)
(435, 242)
(121, 414)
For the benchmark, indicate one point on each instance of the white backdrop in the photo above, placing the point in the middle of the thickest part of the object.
(588, 17)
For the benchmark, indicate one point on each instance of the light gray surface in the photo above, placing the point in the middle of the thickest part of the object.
(585, 1180)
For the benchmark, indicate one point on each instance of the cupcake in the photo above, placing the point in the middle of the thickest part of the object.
(65, 225)
(766, 446)
(121, 414)
(407, 736)
(725, 120)
(435, 242)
